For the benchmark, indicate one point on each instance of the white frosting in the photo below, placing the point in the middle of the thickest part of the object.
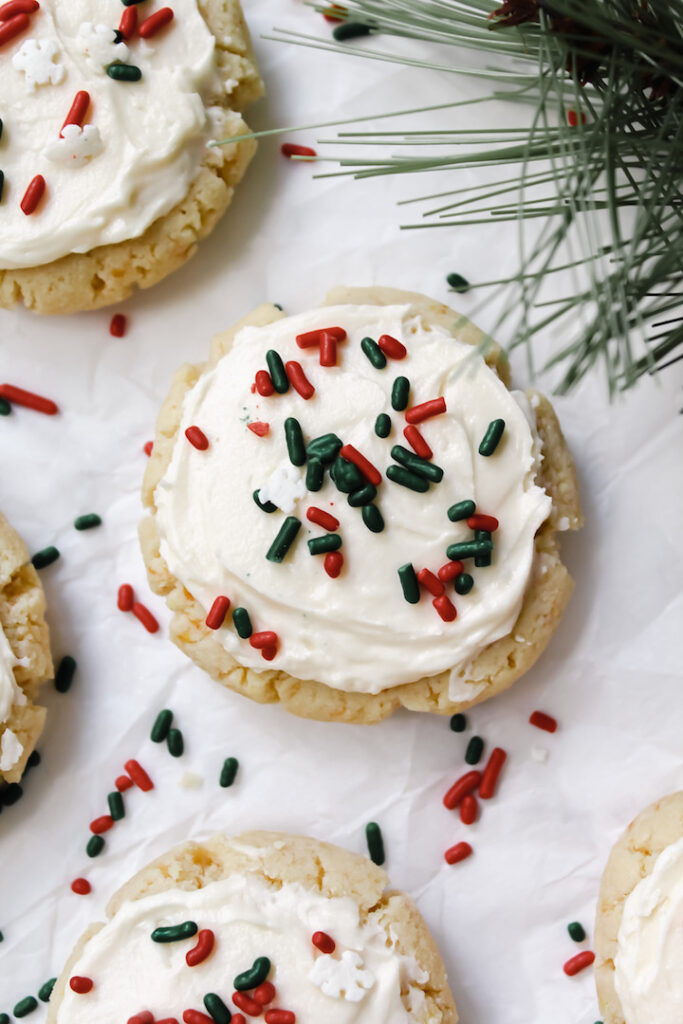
(649, 961)
(356, 632)
(249, 919)
(11, 695)
(150, 135)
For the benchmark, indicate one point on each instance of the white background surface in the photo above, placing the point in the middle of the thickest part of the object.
(611, 675)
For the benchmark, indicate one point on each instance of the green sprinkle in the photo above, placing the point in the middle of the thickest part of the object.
(372, 517)
(5, 407)
(489, 441)
(374, 353)
(228, 772)
(285, 537)
(315, 474)
(10, 794)
(45, 557)
(411, 589)
(129, 3)
(255, 976)
(45, 991)
(461, 510)
(468, 549)
(116, 806)
(458, 723)
(320, 545)
(373, 835)
(2, 937)
(278, 306)
(217, 1009)
(576, 931)
(296, 449)
(64, 675)
(350, 30)
(265, 506)
(418, 465)
(363, 496)
(87, 522)
(458, 283)
(277, 371)
(33, 762)
(463, 583)
(175, 932)
(400, 393)
(324, 447)
(481, 561)
(407, 479)
(25, 1006)
(123, 72)
(383, 425)
(4, 1017)
(162, 723)
(240, 618)
(474, 750)
(94, 846)
(346, 476)
(175, 743)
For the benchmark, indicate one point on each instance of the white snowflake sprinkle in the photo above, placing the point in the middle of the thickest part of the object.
(283, 487)
(75, 146)
(99, 45)
(343, 978)
(36, 59)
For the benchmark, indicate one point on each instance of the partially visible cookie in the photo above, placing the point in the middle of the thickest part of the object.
(25, 660)
(311, 928)
(639, 926)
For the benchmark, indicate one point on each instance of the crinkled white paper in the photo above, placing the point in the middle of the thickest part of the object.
(611, 675)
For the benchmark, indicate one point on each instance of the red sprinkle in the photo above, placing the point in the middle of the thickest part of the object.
(543, 721)
(333, 12)
(280, 1017)
(268, 653)
(128, 25)
(445, 608)
(145, 616)
(170, 1020)
(123, 783)
(264, 383)
(482, 522)
(197, 438)
(197, 1017)
(36, 189)
(203, 948)
(265, 993)
(352, 454)
(13, 7)
(27, 398)
(117, 327)
(392, 347)
(77, 110)
(101, 824)
(246, 1003)
(312, 338)
(266, 638)
(417, 442)
(299, 380)
(291, 149)
(573, 118)
(468, 809)
(9, 29)
(324, 942)
(328, 350)
(579, 962)
(139, 775)
(334, 560)
(449, 571)
(219, 609)
(418, 413)
(493, 769)
(81, 886)
(322, 518)
(461, 787)
(150, 26)
(80, 985)
(237, 1018)
(126, 598)
(148, 445)
(259, 428)
(461, 851)
(430, 581)
(144, 1017)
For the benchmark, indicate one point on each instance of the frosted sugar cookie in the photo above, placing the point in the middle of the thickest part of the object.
(349, 511)
(25, 660)
(272, 924)
(106, 181)
(639, 926)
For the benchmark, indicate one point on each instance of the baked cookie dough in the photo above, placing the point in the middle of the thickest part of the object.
(25, 660)
(260, 895)
(351, 647)
(639, 926)
(129, 185)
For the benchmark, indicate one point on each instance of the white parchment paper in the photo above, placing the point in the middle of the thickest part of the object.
(611, 676)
